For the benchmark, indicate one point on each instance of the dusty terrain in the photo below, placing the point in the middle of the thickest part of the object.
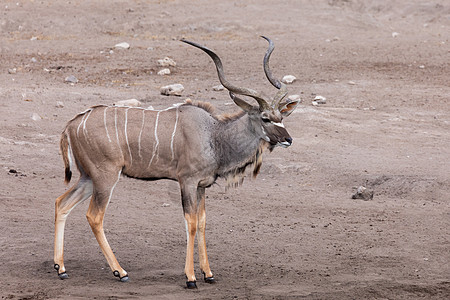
(293, 232)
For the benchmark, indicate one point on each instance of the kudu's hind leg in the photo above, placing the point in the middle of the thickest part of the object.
(203, 257)
(63, 206)
(96, 212)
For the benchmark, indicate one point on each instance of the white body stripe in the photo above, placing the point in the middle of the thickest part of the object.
(84, 123)
(104, 122)
(79, 126)
(155, 147)
(126, 136)
(117, 131)
(140, 133)
(173, 133)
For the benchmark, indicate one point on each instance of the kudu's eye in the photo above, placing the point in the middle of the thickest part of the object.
(266, 120)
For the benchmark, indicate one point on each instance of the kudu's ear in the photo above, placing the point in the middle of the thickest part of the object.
(286, 108)
(241, 103)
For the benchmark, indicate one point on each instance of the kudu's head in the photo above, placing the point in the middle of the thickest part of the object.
(267, 117)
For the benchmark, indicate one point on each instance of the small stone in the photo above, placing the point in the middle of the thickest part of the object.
(421, 67)
(129, 102)
(172, 90)
(363, 193)
(288, 79)
(164, 72)
(33, 60)
(218, 88)
(59, 104)
(36, 117)
(34, 38)
(71, 79)
(320, 100)
(151, 107)
(165, 205)
(351, 82)
(123, 45)
(166, 62)
(12, 71)
(395, 34)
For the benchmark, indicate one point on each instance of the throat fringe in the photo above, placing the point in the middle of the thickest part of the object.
(235, 177)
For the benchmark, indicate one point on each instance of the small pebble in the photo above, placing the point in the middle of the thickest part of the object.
(218, 88)
(166, 62)
(123, 45)
(172, 90)
(71, 79)
(164, 72)
(288, 79)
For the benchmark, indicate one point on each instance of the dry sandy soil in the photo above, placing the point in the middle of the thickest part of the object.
(293, 232)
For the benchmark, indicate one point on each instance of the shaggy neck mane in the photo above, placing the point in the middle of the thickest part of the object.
(212, 110)
(234, 174)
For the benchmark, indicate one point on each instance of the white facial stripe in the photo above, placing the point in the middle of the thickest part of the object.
(277, 124)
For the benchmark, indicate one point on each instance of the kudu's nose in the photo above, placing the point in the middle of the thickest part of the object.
(289, 140)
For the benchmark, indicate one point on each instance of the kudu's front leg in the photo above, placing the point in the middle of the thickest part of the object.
(189, 200)
(203, 257)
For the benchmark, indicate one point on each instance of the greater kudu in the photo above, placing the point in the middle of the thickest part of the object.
(187, 143)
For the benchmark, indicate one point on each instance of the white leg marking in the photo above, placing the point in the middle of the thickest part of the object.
(140, 133)
(117, 131)
(126, 135)
(155, 147)
(187, 230)
(173, 133)
(104, 122)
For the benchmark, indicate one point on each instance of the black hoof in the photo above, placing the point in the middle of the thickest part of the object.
(63, 276)
(123, 278)
(191, 285)
(209, 280)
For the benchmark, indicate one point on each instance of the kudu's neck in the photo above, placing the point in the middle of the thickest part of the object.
(237, 145)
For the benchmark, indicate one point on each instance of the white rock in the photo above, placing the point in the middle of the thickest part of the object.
(351, 82)
(294, 98)
(288, 79)
(34, 38)
(166, 62)
(123, 45)
(151, 107)
(129, 102)
(71, 79)
(12, 71)
(421, 67)
(320, 100)
(218, 88)
(172, 90)
(59, 104)
(395, 34)
(35, 117)
(164, 72)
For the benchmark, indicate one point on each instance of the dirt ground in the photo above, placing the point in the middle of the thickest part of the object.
(293, 232)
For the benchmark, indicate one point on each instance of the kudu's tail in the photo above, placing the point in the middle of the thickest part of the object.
(65, 151)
